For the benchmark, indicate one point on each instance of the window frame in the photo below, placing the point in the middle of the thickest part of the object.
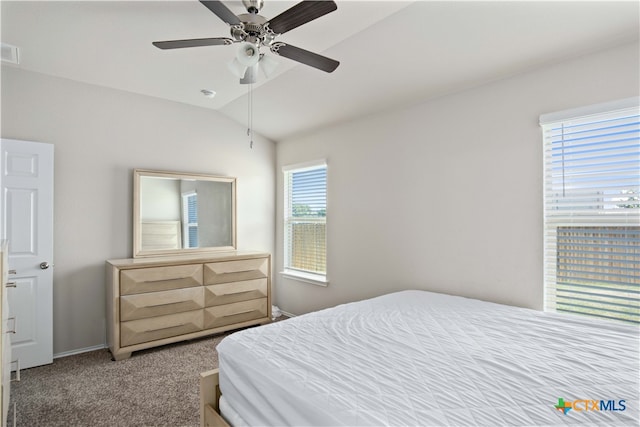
(289, 272)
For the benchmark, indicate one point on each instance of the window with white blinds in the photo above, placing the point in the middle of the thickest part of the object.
(305, 221)
(592, 211)
(190, 220)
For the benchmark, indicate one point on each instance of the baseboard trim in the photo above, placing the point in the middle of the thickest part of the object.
(79, 351)
(287, 314)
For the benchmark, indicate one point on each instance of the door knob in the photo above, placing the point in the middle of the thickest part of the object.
(44, 265)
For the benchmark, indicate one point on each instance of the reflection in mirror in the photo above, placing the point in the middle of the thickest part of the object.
(182, 213)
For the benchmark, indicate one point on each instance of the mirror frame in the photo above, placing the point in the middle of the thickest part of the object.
(137, 225)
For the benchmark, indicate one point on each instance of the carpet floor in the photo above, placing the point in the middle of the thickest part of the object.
(155, 387)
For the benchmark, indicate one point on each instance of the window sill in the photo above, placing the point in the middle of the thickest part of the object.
(314, 279)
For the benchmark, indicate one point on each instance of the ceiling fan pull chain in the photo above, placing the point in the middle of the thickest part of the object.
(250, 115)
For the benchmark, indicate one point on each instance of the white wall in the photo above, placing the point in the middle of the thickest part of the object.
(160, 199)
(100, 135)
(447, 195)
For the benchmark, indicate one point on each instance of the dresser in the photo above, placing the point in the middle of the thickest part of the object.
(157, 301)
(5, 342)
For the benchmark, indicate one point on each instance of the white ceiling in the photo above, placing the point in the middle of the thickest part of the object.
(392, 53)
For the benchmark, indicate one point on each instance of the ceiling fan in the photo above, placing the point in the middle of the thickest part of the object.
(254, 31)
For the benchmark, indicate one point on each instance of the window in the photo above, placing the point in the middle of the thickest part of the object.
(190, 219)
(305, 222)
(592, 210)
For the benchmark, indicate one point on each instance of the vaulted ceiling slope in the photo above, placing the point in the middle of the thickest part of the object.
(392, 53)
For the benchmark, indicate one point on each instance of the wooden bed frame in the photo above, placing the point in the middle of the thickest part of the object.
(210, 399)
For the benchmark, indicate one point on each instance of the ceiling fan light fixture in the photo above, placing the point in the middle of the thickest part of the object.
(251, 76)
(268, 65)
(236, 68)
(248, 54)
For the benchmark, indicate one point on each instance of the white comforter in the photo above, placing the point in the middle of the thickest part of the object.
(419, 358)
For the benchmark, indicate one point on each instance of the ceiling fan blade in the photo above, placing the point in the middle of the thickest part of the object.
(305, 57)
(299, 14)
(222, 12)
(178, 44)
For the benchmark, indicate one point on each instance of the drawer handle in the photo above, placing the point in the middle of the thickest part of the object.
(237, 293)
(167, 303)
(237, 271)
(15, 325)
(11, 284)
(13, 272)
(166, 327)
(17, 378)
(238, 313)
(164, 280)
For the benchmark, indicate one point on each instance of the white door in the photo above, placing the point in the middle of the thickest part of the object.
(27, 223)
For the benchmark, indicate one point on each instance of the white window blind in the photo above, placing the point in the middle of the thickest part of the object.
(305, 219)
(592, 212)
(190, 219)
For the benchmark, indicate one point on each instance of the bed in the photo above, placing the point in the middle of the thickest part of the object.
(422, 358)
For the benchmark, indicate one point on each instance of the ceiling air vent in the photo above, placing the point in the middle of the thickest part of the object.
(9, 54)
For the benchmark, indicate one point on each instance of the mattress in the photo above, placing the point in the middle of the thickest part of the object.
(229, 414)
(418, 358)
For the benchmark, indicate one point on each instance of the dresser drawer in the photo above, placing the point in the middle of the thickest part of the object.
(237, 312)
(156, 328)
(226, 293)
(6, 362)
(152, 304)
(139, 280)
(235, 271)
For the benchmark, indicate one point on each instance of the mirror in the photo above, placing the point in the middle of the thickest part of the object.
(180, 213)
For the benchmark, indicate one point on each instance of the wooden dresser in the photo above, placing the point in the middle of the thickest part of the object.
(5, 342)
(157, 301)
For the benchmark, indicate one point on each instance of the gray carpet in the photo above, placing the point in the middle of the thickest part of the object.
(156, 387)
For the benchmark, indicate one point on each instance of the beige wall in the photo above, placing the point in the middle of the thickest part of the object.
(447, 195)
(100, 135)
